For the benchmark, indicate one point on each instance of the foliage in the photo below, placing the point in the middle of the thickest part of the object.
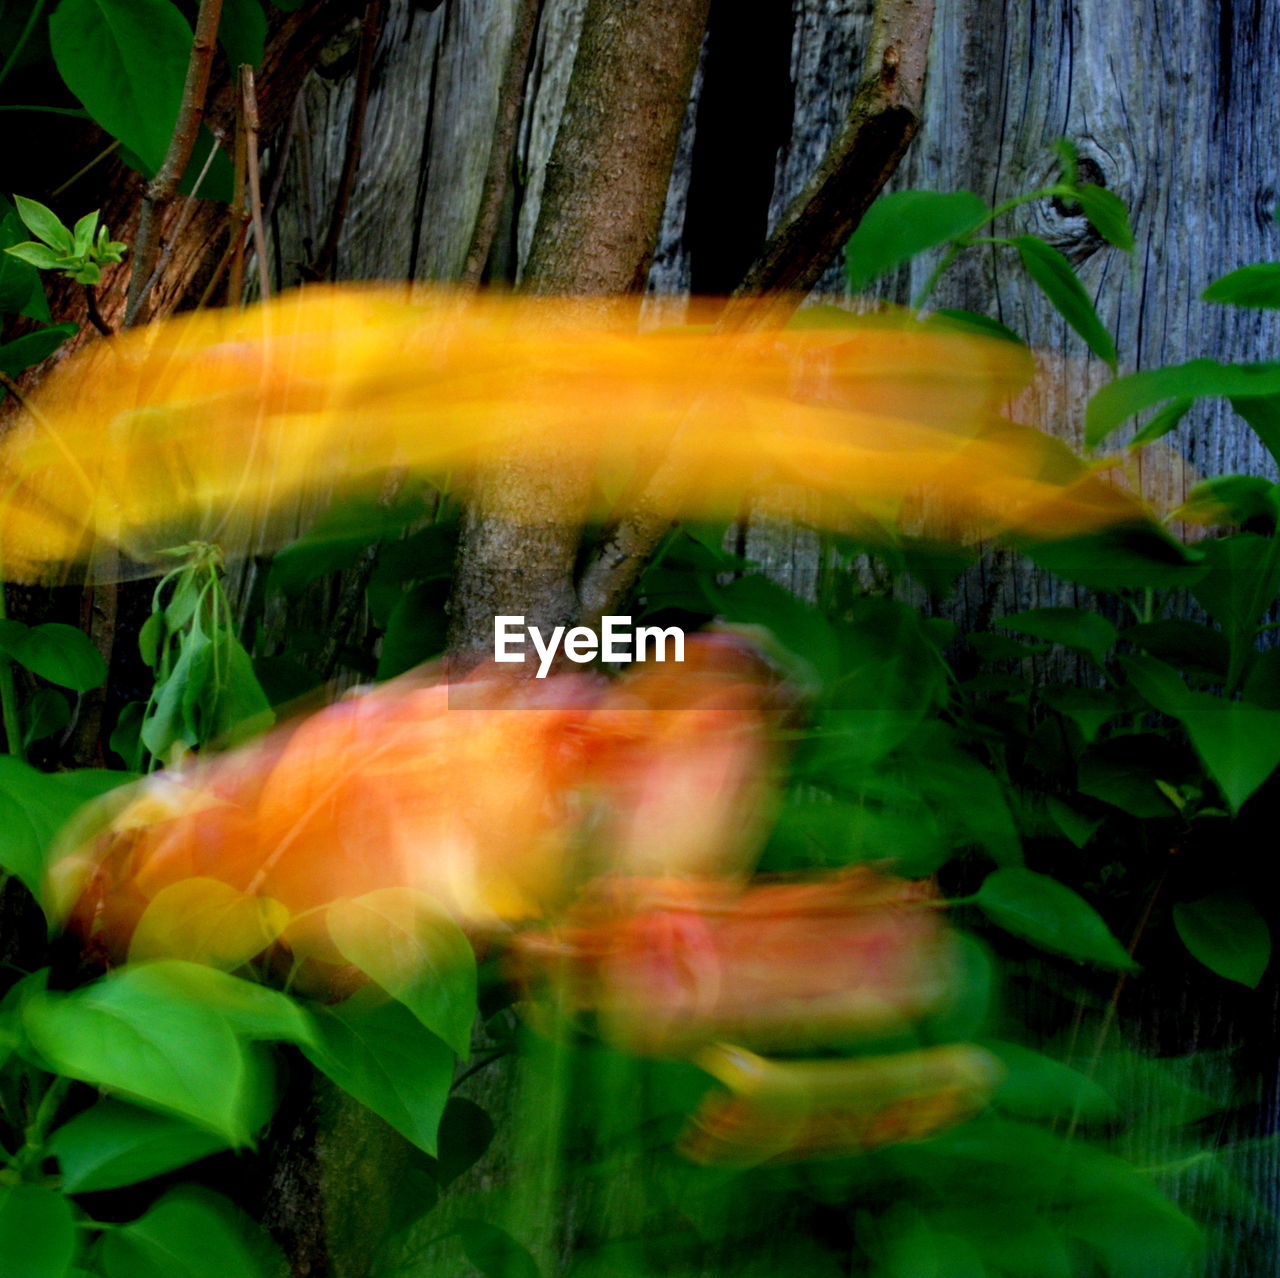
(1138, 767)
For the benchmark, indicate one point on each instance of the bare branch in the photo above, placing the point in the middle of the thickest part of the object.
(162, 188)
(882, 120)
(95, 315)
(502, 150)
(250, 99)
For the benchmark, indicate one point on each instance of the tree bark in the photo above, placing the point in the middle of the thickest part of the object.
(601, 210)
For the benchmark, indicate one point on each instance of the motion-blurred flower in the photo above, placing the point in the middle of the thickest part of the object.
(213, 426)
(781, 1111)
(490, 796)
(669, 966)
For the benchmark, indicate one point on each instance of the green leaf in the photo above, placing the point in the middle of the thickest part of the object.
(1262, 687)
(376, 1050)
(494, 1252)
(414, 950)
(972, 322)
(1231, 499)
(1125, 772)
(1188, 645)
(1227, 934)
(1075, 628)
(1241, 583)
(189, 1233)
(1157, 683)
(1238, 743)
(112, 1144)
(44, 224)
(125, 740)
(31, 348)
(1262, 412)
(1061, 285)
(242, 32)
(1256, 285)
(37, 1232)
(169, 723)
(1050, 915)
(252, 1011)
(899, 226)
(1120, 399)
(163, 1051)
(60, 653)
(1124, 558)
(232, 705)
(1070, 157)
(466, 1132)
(126, 60)
(1106, 213)
(1169, 418)
(21, 292)
(46, 713)
(82, 234)
(1075, 827)
(1087, 708)
(417, 628)
(1037, 1086)
(37, 255)
(341, 534)
(34, 806)
(811, 645)
(207, 921)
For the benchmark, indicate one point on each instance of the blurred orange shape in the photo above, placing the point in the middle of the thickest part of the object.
(486, 800)
(784, 1111)
(667, 967)
(214, 426)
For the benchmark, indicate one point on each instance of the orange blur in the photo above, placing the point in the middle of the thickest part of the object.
(493, 796)
(668, 967)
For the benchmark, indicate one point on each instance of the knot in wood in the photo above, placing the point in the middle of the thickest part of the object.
(889, 64)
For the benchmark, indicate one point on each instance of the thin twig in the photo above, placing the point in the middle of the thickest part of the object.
(250, 101)
(107, 150)
(238, 213)
(23, 402)
(189, 208)
(1113, 1004)
(370, 30)
(95, 315)
(161, 189)
(502, 148)
(882, 120)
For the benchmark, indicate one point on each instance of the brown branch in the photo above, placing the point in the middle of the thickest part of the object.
(371, 28)
(237, 217)
(95, 315)
(502, 149)
(601, 210)
(882, 120)
(250, 99)
(162, 188)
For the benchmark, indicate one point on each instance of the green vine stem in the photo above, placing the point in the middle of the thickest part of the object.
(9, 698)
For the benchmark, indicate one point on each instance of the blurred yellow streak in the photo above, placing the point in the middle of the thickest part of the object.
(213, 426)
